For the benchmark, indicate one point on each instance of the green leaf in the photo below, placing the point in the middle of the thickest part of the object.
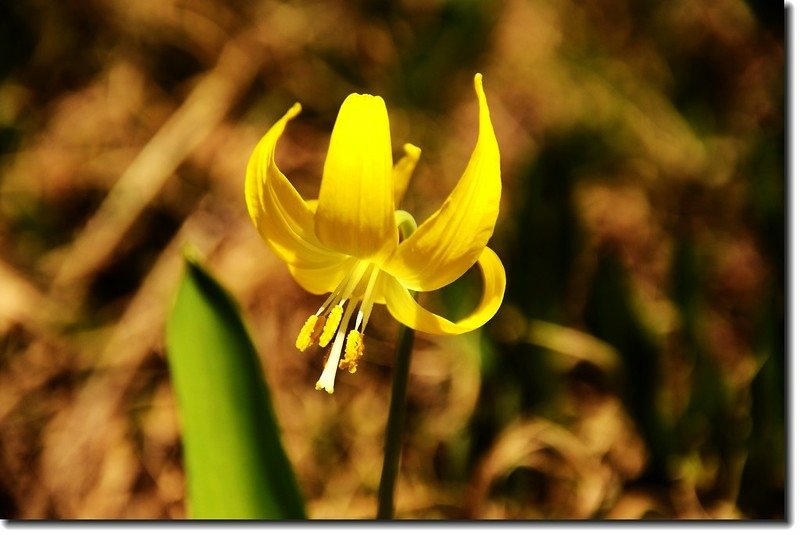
(235, 464)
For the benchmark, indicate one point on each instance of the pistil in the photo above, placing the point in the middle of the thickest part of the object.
(329, 371)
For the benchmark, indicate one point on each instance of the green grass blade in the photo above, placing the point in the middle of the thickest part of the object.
(235, 464)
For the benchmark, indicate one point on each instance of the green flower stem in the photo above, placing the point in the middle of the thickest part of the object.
(394, 425)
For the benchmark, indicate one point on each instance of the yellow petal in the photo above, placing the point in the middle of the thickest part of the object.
(323, 279)
(402, 171)
(355, 214)
(448, 243)
(406, 310)
(284, 220)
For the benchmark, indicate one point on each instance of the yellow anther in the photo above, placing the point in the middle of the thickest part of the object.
(353, 351)
(309, 333)
(331, 324)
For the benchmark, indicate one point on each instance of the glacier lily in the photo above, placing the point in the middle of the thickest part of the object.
(348, 242)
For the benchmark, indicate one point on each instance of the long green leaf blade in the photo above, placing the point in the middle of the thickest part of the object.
(235, 464)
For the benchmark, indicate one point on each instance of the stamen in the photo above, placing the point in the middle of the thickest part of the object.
(344, 289)
(309, 332)
(328, 376)
(334, 294)
(330, 325)
(353, 351)
(369, 300)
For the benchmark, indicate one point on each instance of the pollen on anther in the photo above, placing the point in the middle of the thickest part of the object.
(353, 351)
(309, 333)
(331, 324)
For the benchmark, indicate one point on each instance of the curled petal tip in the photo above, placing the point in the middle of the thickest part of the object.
(479, 87)
(412, 150)
(294, 110)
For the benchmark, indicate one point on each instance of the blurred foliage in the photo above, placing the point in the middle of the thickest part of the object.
(637, 367)
(236, 467)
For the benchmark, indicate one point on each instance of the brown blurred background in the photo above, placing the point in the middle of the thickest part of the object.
(636, 369)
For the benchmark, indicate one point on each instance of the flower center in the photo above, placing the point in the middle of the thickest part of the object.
(331, 321)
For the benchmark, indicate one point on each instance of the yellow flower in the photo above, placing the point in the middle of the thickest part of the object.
(348, 243)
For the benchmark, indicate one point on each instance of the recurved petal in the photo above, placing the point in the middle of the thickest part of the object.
(449, 241)
(403, 169)
(407, 311)
(355, 214)
(284, 220)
